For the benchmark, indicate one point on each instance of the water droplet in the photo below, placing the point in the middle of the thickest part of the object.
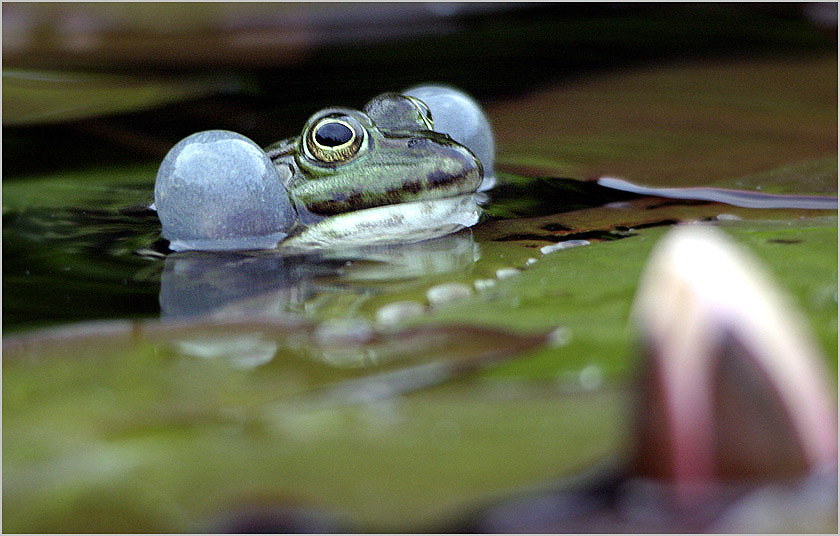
(560, 336)
(447, 292)
(243, 352)
(484, 284)
(503, 273)
(545, 250)
(396, 312)
(590, 377)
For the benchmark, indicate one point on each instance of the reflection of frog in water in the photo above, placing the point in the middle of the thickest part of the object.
(404, 168)
(266, 284)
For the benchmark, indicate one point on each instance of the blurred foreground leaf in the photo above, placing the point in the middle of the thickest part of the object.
(130, 428)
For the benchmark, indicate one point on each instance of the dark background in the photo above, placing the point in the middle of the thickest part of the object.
(272, 65)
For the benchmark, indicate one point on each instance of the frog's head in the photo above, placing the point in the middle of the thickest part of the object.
(347, 160)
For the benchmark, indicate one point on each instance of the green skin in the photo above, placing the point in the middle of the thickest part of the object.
(400, 159)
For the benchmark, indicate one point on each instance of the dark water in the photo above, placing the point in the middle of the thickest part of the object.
(74, 263)
(494, 56)
(64, 264)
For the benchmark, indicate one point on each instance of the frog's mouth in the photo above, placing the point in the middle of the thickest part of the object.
(407, 222)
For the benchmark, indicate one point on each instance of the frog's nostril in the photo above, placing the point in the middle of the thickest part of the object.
(423, 143)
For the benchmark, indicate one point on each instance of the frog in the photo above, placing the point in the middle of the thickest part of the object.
(388, 153)
(378, 174)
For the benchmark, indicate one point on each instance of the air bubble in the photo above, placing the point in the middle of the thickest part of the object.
(218, 190)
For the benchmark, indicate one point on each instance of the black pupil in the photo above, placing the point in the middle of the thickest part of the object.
(333, 134)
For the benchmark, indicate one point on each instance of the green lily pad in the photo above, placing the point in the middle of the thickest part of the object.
(287, 425)
(811, 176)
(590, 289)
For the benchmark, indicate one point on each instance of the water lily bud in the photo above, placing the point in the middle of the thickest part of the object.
(217, 190)
(733, 385)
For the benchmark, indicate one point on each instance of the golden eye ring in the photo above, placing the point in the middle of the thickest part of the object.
(334, 139)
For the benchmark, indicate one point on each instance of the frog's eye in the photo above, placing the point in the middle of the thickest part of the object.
(334, 139)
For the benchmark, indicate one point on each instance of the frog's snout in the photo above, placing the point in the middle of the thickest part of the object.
(453, 168)
(470, 173)
(458, 115)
